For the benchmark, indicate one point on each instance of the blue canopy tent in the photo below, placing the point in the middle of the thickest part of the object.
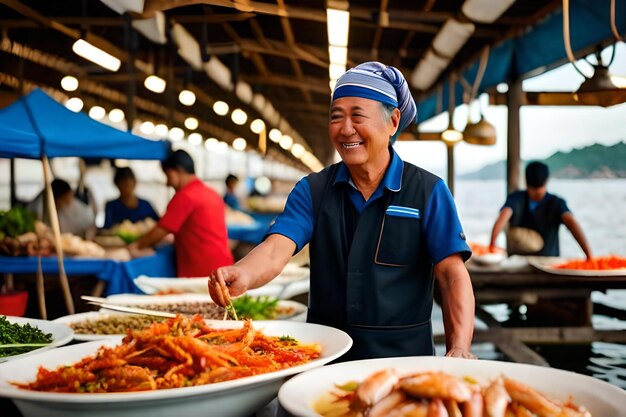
(38, 127)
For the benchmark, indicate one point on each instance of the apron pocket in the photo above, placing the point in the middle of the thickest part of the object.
(398, 242)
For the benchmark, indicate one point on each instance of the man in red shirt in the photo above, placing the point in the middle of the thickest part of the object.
(195, 216)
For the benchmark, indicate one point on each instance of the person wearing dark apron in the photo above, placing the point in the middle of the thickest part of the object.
(380, 232)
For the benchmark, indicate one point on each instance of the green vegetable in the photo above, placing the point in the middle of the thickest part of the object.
(256, 308)
(17, 221)
(16, 338)
(348, 386)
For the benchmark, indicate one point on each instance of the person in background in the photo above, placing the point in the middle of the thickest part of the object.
(536, 209)
(195, 216)
(128, 206)
(230, 198)
(75, 217)
(379, 230)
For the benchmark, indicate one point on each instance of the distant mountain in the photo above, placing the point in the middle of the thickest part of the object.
(595, 161)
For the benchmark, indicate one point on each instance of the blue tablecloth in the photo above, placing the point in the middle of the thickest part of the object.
(251, 233)
(118, 275)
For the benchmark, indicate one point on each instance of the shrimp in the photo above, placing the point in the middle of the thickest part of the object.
(474, 407)
(436, 385)
(384, 406)
(373, 389)
(538, 403)
(496, 399)
(410, 409)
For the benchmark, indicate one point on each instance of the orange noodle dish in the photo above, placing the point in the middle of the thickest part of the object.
(179, 352)
(603, 263)
(437, 394)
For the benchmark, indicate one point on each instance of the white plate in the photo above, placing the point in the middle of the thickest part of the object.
(299, 314)
(546, 264)
(235, 398)
(90, 315)
(489, 258)
(61, 334)
(602, 399)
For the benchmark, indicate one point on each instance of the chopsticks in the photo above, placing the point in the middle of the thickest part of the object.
(102, 302)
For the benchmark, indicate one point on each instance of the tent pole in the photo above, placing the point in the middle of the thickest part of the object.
(12, 190)
(54, 220)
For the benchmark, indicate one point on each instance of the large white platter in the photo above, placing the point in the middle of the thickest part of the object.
(61, 334)
(546, 264)
(299, 309)
(90, 315)
(299, 393)
(299, 312)
(236, 398)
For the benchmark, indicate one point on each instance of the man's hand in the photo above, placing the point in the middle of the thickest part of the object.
(460, 353)
(231, 279)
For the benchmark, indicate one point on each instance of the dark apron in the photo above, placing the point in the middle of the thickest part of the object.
(378, 286)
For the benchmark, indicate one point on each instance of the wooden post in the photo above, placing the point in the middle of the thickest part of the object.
(54, 221)
(514, 103)
(450, 148)
(41, 290)
(12, 185)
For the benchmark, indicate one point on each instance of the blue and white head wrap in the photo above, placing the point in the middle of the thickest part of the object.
(376, 81)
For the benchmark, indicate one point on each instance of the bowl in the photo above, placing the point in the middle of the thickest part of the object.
(61, 335)
(13, 303)
(299, 394)
(237, 398)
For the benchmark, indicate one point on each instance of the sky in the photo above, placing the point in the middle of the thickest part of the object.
(544, 130)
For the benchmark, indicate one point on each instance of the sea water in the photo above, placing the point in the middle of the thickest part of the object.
(599, 205)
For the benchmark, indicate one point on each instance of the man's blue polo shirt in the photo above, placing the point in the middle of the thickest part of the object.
(441, 225)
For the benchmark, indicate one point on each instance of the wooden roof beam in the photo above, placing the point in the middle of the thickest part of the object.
(383, 21)
(317, 85)
(278, 48)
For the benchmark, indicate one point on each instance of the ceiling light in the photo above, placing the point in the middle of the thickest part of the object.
(97, 113)
(338, 25)
(161, 130)
(600, 90)
(176, 134)
(481, 133)
(452, 36)
(155, 84)
(451, 135)
(297, 150)
(187, 98)
(116, 115)
(74, 104)
(335, 71)
(221, 108)
(428, 70)
(191, 123)
(221, 147)
(332, 85)
(263, 185)
(338, 55)
(239, 144)
(96, 55)
(485, 11)
(275, 135)
(195, 138)
(257, 126)
(285, 142)
(211, 144)
(239, 117)
(502, 88)
(69, 83)
(147, 128)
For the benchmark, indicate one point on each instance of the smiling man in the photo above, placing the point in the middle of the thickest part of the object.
(380, 232)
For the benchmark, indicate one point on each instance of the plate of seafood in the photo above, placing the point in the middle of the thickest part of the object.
(181, 366)
(604, 266)
(425, 386)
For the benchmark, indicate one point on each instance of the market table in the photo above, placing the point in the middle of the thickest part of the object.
(118, 275)
(515, 281)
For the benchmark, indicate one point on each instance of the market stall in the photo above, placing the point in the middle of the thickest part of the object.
(38, 127)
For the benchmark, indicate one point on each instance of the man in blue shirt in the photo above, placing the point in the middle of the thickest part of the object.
(128, 206)
(379, 229)
(536, 209)
(230, 198)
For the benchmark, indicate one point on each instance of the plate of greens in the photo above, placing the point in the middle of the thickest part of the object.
(20, 336)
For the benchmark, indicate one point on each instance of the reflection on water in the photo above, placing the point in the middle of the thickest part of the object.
(605, 361)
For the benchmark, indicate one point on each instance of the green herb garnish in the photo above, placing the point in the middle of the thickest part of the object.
(256, 308)
(16, 339)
